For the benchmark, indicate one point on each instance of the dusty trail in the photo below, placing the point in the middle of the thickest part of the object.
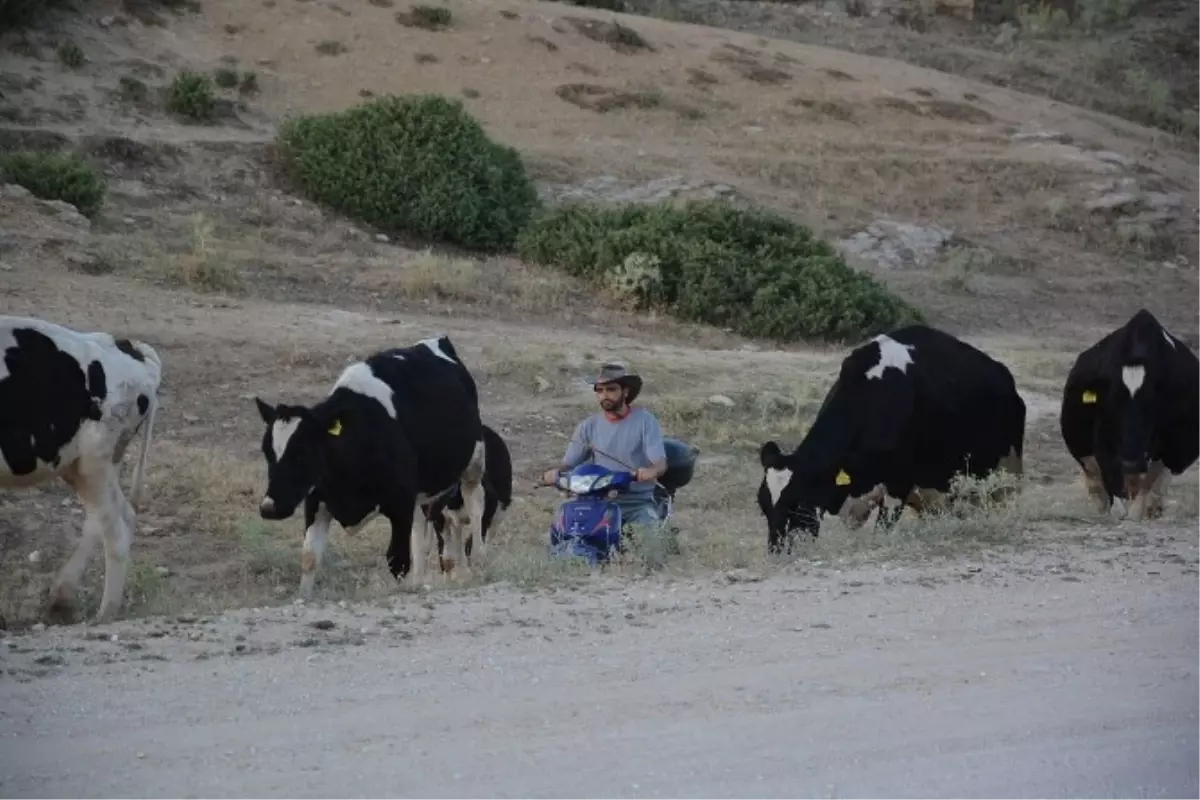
(793, 686)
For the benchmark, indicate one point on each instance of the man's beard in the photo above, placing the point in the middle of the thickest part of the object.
(612, 406)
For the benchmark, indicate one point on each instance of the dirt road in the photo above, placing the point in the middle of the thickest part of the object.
(959, 682)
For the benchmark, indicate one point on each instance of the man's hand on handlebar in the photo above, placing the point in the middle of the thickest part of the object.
(549, 477)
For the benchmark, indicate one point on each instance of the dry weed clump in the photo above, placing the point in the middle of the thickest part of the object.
(619, 37)
(203, 266)
(430, 18)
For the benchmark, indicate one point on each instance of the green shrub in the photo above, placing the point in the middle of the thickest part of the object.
(71, 55)
(753, 271)
(56, 176)
(226, 77)
(191, 95)
(20, 13)
(433, 18)
(419, 164)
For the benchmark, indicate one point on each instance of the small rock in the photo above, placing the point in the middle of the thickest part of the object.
(721, 400)
(1109, 157)
(1007, 35)
(1163, 201)
(382, 238)
(190, 418)
(1041, 136)
(5, 267)
(323, 624)
(163, 572)
(38, 627)
(35, 557)
(543, 385)
(107, 20)
(742, 576)
(1114, 201)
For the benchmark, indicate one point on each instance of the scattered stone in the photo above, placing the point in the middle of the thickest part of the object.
(1042, 136)
(323, 624)
(35, 557)
(742, 576)
(543, 385)
(607, 188)
(382, 238)
(1109, 157)
(1007, 36)
(1114, 201)
(721, 400)
(163, 572)
(893, 245)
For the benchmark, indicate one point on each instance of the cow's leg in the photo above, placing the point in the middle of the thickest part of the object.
(92, 492)
(1156, 502)
(118, 541)
(316, 536)
(1093, 481)
(1140, 488)
(473, 499)
(418, 545)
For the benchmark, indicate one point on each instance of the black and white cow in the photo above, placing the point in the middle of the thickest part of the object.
(1129, 415)
(908, 411)
(398, 430)
(70, 404)
(497, 494)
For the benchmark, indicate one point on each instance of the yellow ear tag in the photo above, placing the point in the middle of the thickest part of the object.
(842, 478)
(1089, 397)
(336, 428)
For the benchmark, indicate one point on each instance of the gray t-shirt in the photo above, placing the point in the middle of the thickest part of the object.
(635, 439)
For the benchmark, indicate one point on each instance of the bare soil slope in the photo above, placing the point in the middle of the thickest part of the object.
(248, 290)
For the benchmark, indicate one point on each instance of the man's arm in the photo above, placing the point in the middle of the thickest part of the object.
(579, 447)
(652, 441)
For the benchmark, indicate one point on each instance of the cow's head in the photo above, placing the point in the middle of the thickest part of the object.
(292, 445)
(794, 496)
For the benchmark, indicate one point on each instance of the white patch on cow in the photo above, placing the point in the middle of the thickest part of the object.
(777, 481)
(891, 354)
(90, 462)
(281, 433)
(432, 344)
(315, 540)
(1133, 377)
(359, 378)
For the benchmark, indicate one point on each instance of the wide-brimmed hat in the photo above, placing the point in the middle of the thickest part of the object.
(618, 374)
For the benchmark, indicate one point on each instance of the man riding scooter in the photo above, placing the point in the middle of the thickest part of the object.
(621, 437)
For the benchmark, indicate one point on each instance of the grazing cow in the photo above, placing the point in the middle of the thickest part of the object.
(70, 404)
(1129, 415)
(907, 411)
(497, 497)
(397, 431)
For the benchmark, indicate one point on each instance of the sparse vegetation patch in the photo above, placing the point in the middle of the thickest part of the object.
(619, 37)
(431, 18)
(419, 164)
(603, 98)
(191, 96)
(56, 176)
(749, 270)
(71, 55)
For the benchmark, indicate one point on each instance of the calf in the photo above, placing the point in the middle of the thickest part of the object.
(397, 431)
(497, 494)
(907, 412)
(1129, 415)
(70, 404)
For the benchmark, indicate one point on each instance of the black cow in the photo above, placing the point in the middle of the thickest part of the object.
(398, 430)
(497, 497)
(1129, 415)
(907, 412)
(70, 404)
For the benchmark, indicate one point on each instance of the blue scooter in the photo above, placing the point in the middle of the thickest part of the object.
(589, 524)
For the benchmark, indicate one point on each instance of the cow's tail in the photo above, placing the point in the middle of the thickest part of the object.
(135, 493)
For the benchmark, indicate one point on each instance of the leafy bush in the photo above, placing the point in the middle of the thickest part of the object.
(419, 164)
(433, 18)
(56, 176)
(20, 13)
(191, 95)
(753, 271)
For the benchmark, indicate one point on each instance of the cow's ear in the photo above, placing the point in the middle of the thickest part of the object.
(770, 456)
(265, 411)
(886, 408)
